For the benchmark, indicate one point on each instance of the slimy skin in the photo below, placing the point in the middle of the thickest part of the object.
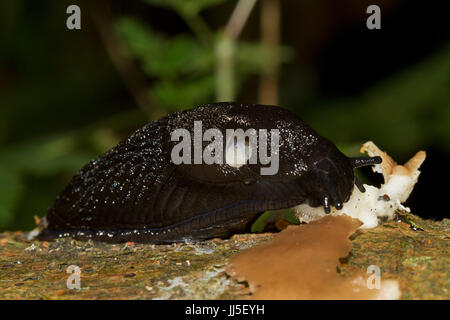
(134, 192)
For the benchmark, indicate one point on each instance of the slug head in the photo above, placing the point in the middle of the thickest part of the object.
(331, 179)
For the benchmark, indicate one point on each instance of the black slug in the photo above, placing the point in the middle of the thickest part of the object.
(135, 191)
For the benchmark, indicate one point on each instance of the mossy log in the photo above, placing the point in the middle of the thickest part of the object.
(411, 250)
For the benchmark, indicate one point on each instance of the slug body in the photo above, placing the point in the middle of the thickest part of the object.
(135, 192)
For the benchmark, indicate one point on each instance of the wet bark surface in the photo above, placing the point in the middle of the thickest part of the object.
(416, 252)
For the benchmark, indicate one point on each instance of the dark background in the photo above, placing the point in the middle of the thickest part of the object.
(65, 97)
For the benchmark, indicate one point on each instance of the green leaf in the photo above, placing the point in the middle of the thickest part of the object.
(179, 95)
(182, 56)
(260, 222)
(143, 42)
(162, 57)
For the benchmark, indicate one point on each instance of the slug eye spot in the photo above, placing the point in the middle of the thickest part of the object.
(237, 152)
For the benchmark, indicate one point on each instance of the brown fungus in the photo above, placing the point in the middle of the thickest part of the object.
(301, 263)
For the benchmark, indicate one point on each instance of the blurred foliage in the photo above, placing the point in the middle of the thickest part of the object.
(188, 8)
(181, 69)
(402, 114)
(183, 66)
(62, 103)
(180, 66)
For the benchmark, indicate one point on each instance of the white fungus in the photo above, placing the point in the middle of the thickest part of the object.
(375, 203)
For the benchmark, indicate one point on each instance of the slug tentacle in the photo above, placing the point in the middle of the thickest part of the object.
(358, 162)
(359, 185)
(326, 204)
